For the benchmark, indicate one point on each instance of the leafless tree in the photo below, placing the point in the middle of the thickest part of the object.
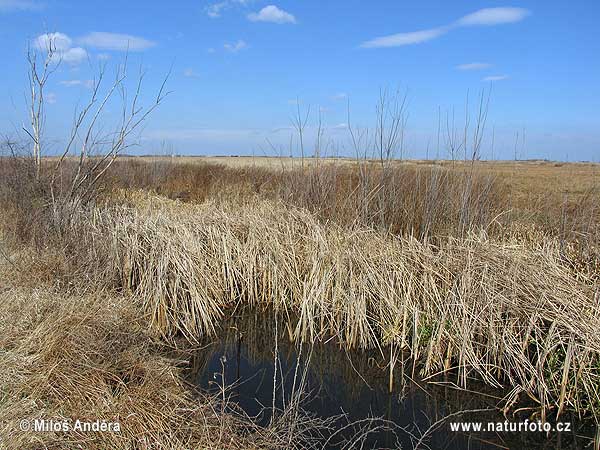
(452, 140)
(480, 123)
(320, 135)
(390, 126)
(299, 122)
(40, 68)
(92, 149)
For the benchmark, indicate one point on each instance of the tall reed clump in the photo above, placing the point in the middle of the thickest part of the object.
(402, 199)
(504, 312)
(423, 201)
(89, 356)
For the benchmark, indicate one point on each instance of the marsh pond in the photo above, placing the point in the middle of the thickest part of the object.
(352, 389)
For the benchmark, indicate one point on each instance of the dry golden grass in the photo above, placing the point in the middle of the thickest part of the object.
(475, 271)
(422, 198)
(241, 162)
(91, 356)
(502, 311)
(523, 177)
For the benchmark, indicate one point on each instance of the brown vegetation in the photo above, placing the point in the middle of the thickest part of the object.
(450, 264)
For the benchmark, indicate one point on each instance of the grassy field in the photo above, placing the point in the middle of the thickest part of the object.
(475, 270)
(540, 176)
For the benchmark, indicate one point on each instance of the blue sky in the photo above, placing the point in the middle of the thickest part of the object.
(238, 67)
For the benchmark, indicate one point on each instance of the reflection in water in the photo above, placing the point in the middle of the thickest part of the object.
(356, 384)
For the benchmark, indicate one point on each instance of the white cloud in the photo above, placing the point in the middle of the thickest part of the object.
(20, 5)
(340, 96)
(474, 66)
(59, 41)
(72, 83)
(235, 47)
(496, 78)
(103, 56)
(272, 14)
(61, 46)
(50, 98)
(397, 40)
(484, 17)
(115, 41)
(493, 16)
(214, 10)
(74, 55)
(191, 73)
(340, 126)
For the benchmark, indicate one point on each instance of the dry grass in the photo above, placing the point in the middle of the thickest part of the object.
(91, 357)
(541, 177)
(408, 200)
(449, 264)
(420, 198)
(501, 311)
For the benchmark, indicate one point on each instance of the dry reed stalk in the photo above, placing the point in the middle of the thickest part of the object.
(90, 357)
(503, 312)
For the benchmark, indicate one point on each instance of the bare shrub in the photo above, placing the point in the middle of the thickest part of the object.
(42, 193)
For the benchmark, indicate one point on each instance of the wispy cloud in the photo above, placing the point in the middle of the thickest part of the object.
(235, 47)
(495, 78)
(59, 41)
(20, 5)
(190, 73)
(62, 48)
(339, 126)
(115, 41)
(280, 129)
(215, 10)
(51, 98)
(482, 17)
(397, 40)
(339, 96)
(493, 16)
(273, 14)
(72, 83)
(74, 55)
(474, 66)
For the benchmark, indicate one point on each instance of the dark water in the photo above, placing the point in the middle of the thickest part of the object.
(356, 384)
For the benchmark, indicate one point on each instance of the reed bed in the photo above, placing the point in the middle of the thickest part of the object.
(423, 200)
(500, 311)
(90, 356)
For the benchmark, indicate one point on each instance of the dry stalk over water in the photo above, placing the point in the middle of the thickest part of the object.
(510, 314)
(91, 356)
